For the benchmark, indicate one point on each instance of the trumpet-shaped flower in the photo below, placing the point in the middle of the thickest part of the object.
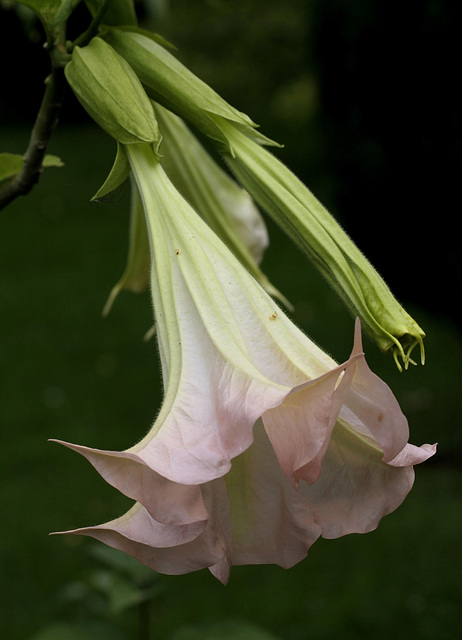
(263, 443)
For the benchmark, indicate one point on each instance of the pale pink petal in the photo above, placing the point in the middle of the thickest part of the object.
(138, 526)
(356, 488)
(211, 419)
(139, 536)
(167, 502)
(217, 503)
(272, 523)
(300, 427)
(221, 570)
(413, 455)
(373, 411)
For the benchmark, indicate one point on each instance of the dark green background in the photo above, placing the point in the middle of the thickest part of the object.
(362, 95)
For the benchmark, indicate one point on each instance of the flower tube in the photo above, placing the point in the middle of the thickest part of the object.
(220, 201)
(262, 443)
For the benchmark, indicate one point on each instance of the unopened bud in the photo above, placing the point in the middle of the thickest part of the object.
(111, 93)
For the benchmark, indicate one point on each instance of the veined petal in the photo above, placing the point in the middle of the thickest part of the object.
(167, 502)
(272, 522)
(355, 488)
(373, 412)
(172, 550)
(300, 428)
(139, 526)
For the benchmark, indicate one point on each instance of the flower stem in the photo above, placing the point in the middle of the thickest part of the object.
(46, 121)
(93, 29)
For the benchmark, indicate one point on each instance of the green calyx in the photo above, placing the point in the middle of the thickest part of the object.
(111, 93)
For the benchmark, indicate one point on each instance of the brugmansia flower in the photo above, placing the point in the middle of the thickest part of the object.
(276, 190)
(263, 443)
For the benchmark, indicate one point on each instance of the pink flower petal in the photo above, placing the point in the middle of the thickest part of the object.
(300, 427)
(272, 523)
(373, 411)
(413, 455)
(138, 526)
(191, 546)
(167, 502)
(356, 488)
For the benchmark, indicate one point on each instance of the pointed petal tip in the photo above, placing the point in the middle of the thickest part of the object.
(412, 455)
(68, 532)
(221, 571)
(358, 340)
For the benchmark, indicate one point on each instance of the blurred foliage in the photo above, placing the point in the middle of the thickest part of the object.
(360, 97)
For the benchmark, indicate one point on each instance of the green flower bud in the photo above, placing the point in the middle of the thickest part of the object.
(110, 91)
(170, 83)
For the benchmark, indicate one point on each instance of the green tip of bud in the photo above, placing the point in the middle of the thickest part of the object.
(403, 352)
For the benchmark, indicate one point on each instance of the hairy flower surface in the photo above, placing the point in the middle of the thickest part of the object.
(263, 443)
(221, 202)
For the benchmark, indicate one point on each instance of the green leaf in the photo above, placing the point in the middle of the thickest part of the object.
(52, 161)
(119, 592)
(11, 164)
